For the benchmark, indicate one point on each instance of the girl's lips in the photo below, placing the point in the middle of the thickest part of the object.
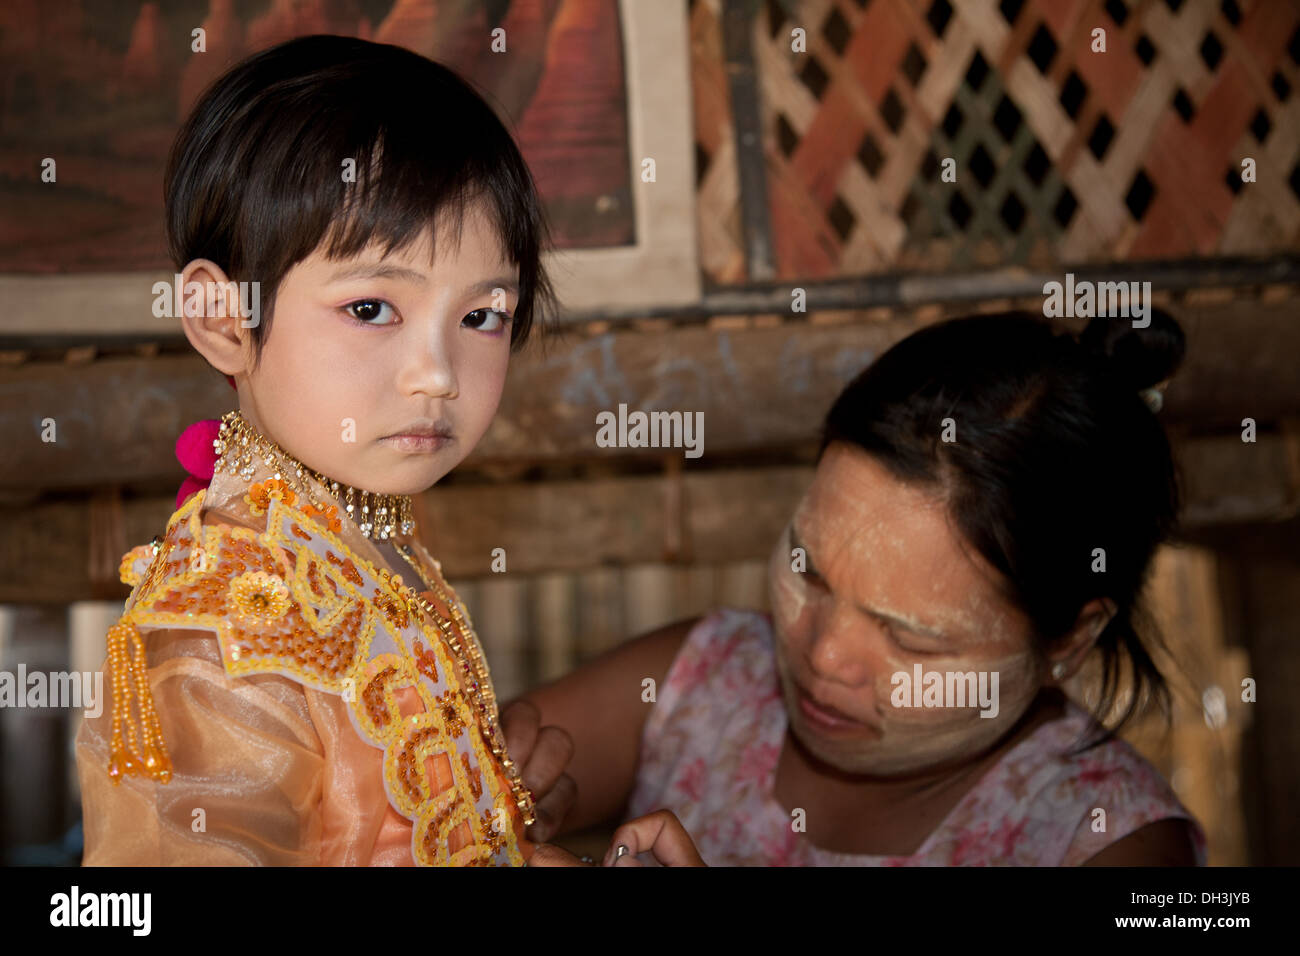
(418, 444)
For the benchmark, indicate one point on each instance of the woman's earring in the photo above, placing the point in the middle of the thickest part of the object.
(1058, 670)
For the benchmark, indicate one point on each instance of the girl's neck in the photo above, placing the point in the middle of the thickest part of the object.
(244, 450)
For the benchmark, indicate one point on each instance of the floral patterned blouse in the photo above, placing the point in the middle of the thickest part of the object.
(710, 749)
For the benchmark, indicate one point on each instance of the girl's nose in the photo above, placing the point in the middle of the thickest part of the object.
(430, 366)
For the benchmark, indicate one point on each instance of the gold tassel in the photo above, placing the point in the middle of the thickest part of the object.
(130, 677)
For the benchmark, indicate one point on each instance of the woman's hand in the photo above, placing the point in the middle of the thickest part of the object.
(548, 854)
(660, 833)
(542, 754)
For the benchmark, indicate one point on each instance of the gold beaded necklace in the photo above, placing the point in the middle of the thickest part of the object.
(376, 515)
(236, 446)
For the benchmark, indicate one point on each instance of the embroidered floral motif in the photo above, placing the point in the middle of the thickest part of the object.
(314, 578)
(394, 610)
(425, 662)
(447, 704)
(259, 495)
(373, 696)
(346, 566)
(329, 516)
(474, 776)
(410, 761)
(260, 598)
(492, 831)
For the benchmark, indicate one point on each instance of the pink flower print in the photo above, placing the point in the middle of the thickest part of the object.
(1093, 773)
(1009, 835)
(693, 779)
(694, 667)
(777, 851)
(756, 762)
(970, 844)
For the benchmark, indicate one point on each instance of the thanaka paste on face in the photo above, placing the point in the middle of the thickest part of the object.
(986, 635)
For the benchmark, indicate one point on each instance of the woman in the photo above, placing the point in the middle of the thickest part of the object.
(986, 504)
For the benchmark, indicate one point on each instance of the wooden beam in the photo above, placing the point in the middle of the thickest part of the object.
(760, 387)
(703, 518)
(90, 309)
(117, 419)
(1226, 480)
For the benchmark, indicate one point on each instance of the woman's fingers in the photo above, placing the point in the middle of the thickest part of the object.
(542, 754)
(552, 809)
(520, 722)
(660, 833)
(548, 854)
(551, 753)
(627, 859)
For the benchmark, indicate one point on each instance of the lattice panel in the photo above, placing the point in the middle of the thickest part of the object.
(1063, 155)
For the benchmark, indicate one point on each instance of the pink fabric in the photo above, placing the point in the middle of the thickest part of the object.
(709, 752)
(195, 453)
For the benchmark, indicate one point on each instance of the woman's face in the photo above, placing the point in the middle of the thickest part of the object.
(888, 585)
(365, 351)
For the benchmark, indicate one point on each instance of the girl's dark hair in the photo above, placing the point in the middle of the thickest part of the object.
(1056, 454)
(255, 177)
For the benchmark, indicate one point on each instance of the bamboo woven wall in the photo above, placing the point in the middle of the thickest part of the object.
(1063, 154)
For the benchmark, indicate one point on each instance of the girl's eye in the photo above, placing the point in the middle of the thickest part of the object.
(488, 320)
(370, 311)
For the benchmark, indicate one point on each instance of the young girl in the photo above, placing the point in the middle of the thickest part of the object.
(293, 680)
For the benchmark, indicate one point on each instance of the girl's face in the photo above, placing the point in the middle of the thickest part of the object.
(384, 373)
(889, 584)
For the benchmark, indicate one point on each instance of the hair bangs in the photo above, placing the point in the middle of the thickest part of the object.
(339, 144)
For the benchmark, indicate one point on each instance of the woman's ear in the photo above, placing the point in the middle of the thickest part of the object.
(1069, 652)
(212, 319)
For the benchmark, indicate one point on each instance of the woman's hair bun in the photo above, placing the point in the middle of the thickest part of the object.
(1139, 357)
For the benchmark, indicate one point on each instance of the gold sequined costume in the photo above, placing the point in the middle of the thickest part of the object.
(280, 699)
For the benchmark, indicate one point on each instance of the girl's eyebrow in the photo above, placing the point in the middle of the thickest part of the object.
(490, 285)
(378, 270)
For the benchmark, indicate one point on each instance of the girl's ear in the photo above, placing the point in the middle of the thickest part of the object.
(212, 319)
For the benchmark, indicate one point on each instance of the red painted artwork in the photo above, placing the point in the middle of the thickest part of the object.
(101, 86)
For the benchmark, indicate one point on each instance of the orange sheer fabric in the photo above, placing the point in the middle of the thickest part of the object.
(277, 770)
